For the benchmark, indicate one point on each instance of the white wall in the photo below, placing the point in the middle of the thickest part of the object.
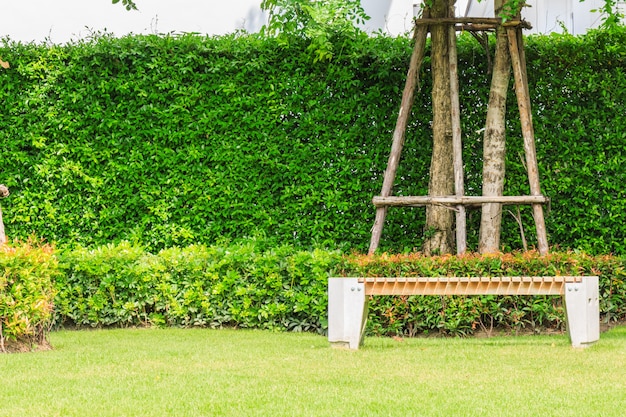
(395, 16)
(61, 20)
(551, 15)
(544, 15)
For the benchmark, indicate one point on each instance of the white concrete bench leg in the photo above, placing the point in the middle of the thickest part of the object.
(347, 312)
(583, 311)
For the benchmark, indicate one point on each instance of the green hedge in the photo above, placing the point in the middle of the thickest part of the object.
(253, 285)
(27, 274)
(244, 285)
(175, 140)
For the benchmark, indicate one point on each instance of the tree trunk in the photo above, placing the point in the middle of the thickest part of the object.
(439, 237)
(494, 144)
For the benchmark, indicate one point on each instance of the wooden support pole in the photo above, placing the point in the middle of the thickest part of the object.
(523, 102)
(4, 192)
(399, 133)
(3, 237)
(457, 144)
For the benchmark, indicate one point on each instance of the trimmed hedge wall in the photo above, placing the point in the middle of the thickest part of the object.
(253, 285)
(246, 285)
(174, 140)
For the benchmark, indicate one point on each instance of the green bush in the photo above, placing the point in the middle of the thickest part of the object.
(236, 285)
(175, 140)
(253, 285)
(27, 291)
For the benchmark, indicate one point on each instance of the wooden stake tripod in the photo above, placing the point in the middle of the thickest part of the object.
(459, 201)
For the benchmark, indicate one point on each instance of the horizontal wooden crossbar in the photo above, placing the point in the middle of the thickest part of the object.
(457, 200)
(554, 285)
(491, 21)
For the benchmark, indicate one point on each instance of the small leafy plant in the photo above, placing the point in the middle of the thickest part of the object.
(27, 274)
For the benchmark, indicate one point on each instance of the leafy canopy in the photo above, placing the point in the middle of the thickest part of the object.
(317, 21)
(129, 4)
(611, 14)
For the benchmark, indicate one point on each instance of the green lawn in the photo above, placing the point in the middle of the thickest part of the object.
(174, 372)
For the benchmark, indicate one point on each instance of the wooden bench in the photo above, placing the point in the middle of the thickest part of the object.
(348, 300)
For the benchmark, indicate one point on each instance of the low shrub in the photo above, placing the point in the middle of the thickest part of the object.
(237, 285)
(27, 274)
(252, 284)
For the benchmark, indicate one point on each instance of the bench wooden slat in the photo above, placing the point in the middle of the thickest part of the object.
(526, 285)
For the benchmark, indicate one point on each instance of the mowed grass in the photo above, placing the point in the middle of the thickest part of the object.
(177, 372)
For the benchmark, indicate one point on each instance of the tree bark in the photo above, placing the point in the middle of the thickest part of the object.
(439, 237)
(457, 142)
(494, 143)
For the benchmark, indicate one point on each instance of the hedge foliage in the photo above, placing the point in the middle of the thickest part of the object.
(460, 315)
(254, 284)
(27, 275)
(244, 285)
(174, 140)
